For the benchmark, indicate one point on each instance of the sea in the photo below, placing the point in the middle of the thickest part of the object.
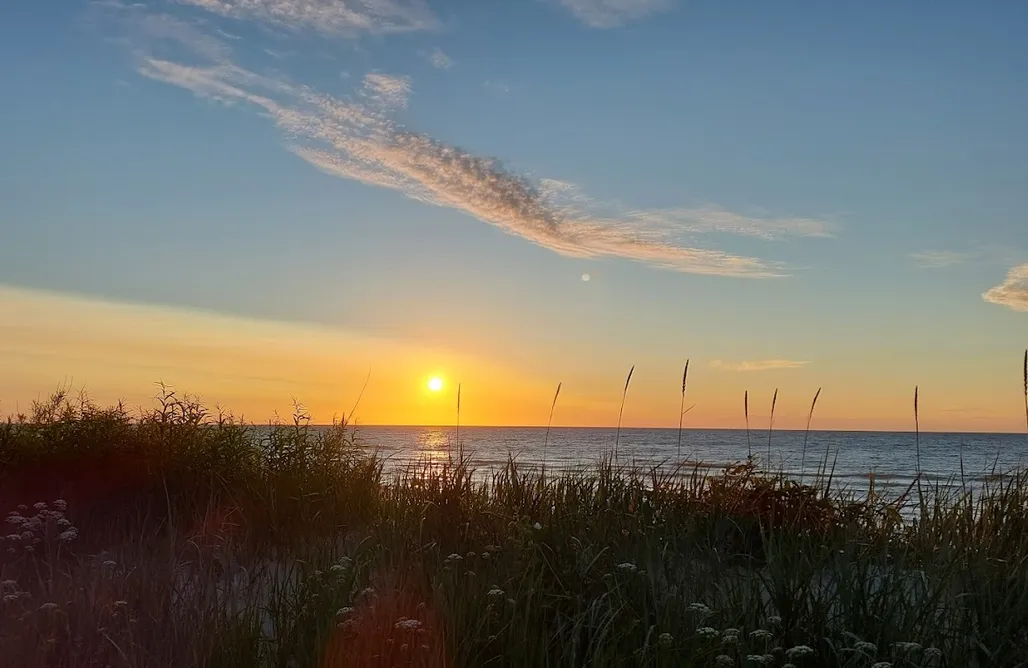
(853, 457)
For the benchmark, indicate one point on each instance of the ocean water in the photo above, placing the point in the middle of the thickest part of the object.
(891, 457)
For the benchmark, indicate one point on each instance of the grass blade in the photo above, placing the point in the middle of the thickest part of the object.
(770, 427)
(806, 434)
(624, 394)
(681, 410)
(548, 423)
(746, 412)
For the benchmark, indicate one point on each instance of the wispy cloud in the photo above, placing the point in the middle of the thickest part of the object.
(439, 60)
(341, 17)
(357, 138)
(387, 90)
(1013, 291)
(936, 259)
(757, 365)
(603, 14)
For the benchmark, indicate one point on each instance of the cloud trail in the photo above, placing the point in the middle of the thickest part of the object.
(757, 365)
(603, 14)
(337, 17)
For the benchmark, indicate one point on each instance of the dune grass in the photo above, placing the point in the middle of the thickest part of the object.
(183, 537)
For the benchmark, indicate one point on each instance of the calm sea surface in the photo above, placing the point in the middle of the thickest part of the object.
(890, 456)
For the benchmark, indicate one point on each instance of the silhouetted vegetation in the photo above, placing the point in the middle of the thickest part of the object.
(186, 538)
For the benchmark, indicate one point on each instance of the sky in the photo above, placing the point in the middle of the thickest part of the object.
(331, 202)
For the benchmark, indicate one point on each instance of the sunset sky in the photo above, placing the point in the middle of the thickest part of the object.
(261, 200)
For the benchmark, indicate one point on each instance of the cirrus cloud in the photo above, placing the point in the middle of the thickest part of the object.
(602, 14)
(757, 365)
(1013, 291)
(342, 17)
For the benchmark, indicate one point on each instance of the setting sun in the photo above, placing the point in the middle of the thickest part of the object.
(435, 383)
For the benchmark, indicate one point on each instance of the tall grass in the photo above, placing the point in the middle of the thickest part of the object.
(1024, 376)
(771, 427)
(185, 537)
(681, 408)
(806, 434)
(621, 412)
(746, 415)
(549, 421)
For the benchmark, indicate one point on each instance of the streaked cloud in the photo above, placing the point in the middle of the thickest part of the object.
(936, 259)
(339, 17)
(356, 138)
(439, 60)
(757, 365)
(1013, 291)
(602, 14)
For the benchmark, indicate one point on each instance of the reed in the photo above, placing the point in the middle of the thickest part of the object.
(456, 435)
(917, 441)
(746, 414)
(806, 434)
(1024, 376)
(549, 422)
(621, 412)
(771, 426)
(681, 409)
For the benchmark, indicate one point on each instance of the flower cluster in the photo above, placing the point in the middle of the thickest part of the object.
(48, 524)
(11, 592)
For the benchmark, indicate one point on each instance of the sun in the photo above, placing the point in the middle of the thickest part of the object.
(435, 383)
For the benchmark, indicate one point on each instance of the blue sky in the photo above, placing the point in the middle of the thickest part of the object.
(794, 194)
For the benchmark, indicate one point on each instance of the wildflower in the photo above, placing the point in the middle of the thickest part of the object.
(486, 556)
(343, 612)
(492, 548)
(495, 592)
(789, 665)
(425, 647)
(68, 535)
(13, 536)
(731, 632)
(368, 593)
(665, 639)
(47, 607)
(699, 608)
(511, 602)
(708, 633)
(63, 523)
(408, 624)
(759, 659)
(337, 568)
(537, 526)
(761, 634)
(39, 505)
(23, 507)
(932, 655)
(9, 584)
(491, 638)
(121, 604)
(109, 564)
(347, 625)
(454, 557)
(882, 664)
(469, 574)
(11, 598)
(774, 620)
(798, 652)
(907, 647)
(627, 567)
(724, 660)
(471, 555)
(61, 505)
(866, 648)
(15, 518)
(403, 647)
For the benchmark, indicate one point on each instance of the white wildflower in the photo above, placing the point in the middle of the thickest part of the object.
(665, 639)
(627, 567)
(708, 633)
(454, 557)
(121, 604)
(798, 652)
(13, 536)
(347, 625)
(46, 607)
(471, 555)
(408, 624)
(868, 648)
(495, 592)
(492, 548)
(538, 527)
(761, 634)
(882, 664)
(15, 518)
(759, 659)
(68, 535)
(11, 598)
(932, 655)
(23, 507)
(907, 647)
(724, 660)
(39, 505)
(699, 608)
(337, 568)
(343, 612)
(61, 505)
(64, 523)
(9, 584)
(774, 620)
